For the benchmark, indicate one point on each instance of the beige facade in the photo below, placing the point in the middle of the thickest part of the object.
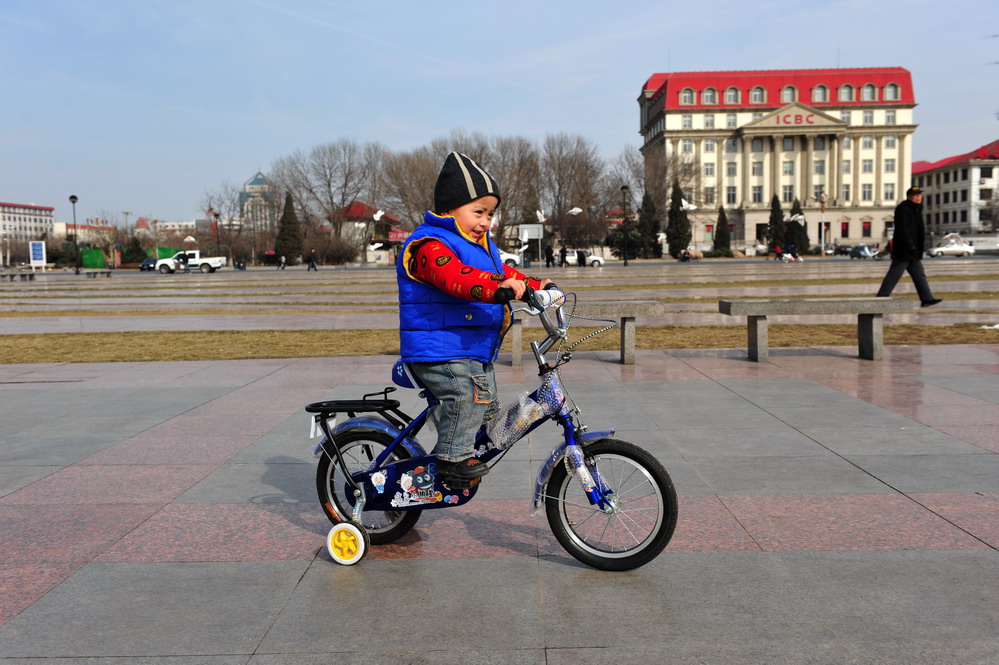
(848, 162)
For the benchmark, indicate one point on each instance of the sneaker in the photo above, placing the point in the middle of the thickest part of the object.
(467, 469)
(930, 303)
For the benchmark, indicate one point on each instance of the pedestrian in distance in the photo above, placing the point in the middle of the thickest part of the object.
(907, 246)
(312, 261)
(563, 257)
(453, 309)
(549, 257)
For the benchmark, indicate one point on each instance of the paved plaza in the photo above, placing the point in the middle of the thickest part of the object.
(832, 510)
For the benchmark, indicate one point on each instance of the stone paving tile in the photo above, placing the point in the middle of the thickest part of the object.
(861, 522)
(91, 484)
(976, 513)
(157, 448)
(23, 584)
(983, 436)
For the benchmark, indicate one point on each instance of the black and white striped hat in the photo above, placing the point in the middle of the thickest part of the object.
(461, 181)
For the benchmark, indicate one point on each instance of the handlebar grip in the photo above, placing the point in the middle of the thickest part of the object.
(504, 295)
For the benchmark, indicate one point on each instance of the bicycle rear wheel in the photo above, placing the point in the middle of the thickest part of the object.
(359, 449)
(640, 522)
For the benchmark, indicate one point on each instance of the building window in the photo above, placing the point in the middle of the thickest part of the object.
(730, 169)
(845, 117)
(757, 115)
(687, 121)
(867, 143)
(964, 196)
(732, 96)
(867, 229)
(890, 191)
(847, 142)
(709, 145)
(867, 192)
(730, 195)
(788, 144)
(867, 166)
(731, 121)
(709, 169)
(757, 96)
(985, 195)
(890, 141)
(946, 198)
(757, 168)
(709, 195)
(687, 145)
(891, 93)
(788, 168)
(889, 166)
(820, 167)
(964, 215)
(964, 174)
(986, 172)
(868, 93)
(846, 192)
(844, 229)
(687, 97)
(820, 143)
(788, 193)
(709, 121)
(732, 145)
(889, 117)
(846, 93)
(757, 193)
(788, 94)
(709, 96)
(820, 94)
(868, 117)
(757, 144)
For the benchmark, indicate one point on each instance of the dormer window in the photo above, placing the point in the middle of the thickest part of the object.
(687, 97)
(732, 96)
(868, 93)
(820, 93)
(757, 95)
(846, 93)
(709, 96)
(788, 94)
(891, 93)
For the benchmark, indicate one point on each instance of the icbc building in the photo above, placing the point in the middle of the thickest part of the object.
(837, 140)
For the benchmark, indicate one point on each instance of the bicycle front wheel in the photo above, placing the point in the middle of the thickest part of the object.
(359, 449)
(639, 523)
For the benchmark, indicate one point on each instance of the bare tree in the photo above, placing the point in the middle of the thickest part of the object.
(572, 176)
(409, 179)
(222, 208)
(516, 165)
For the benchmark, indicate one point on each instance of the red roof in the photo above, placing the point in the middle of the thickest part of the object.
(25, 205)
(666, 87)
(987, 151)
(358, 210)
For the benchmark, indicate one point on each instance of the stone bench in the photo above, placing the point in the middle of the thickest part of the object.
(626, 311)
(869, 311)
(13, 276)
(95, 273)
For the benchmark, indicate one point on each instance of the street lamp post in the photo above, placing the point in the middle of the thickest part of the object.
(76, 233)
(625, 192)
(211, 213)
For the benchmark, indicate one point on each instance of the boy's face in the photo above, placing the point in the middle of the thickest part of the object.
(475, 218)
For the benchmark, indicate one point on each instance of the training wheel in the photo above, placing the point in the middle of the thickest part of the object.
(347, 543)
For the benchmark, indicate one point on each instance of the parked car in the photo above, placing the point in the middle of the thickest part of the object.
(843, 250)
(863, 252)
(576, 256)
(951, 249)
(148, 264)
(511, 259)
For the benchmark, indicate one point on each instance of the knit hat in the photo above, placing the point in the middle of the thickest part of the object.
(462, 181)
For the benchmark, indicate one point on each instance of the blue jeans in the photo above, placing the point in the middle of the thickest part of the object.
(466, 390)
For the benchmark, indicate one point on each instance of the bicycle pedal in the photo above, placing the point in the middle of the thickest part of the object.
(461, 483)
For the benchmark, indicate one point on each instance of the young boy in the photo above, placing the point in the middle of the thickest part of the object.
(450, 323)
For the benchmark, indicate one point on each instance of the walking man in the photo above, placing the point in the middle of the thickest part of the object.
(907, 246)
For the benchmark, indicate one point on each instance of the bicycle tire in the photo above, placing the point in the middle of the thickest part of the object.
(359, 448)
(642, 523)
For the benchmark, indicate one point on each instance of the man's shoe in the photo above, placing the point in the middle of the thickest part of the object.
(930, 303)
(467, 469)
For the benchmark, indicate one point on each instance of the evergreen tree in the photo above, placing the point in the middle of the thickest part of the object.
(722, 238)
(289, 238)
(648, 230)
(795, 232)
(677, 226)
(776, 230)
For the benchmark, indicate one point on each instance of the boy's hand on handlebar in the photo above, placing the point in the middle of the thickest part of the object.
(518, 287)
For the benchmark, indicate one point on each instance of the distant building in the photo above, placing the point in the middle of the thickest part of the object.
(257, 204)
(21, 222)
(93, 232)
(960, 191)
(837, 140)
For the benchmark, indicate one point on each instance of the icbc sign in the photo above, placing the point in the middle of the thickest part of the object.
(795, 119)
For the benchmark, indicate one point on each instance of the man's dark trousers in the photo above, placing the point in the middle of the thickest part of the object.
(915, 268)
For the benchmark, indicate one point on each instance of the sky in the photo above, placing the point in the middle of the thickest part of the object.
(146, 105)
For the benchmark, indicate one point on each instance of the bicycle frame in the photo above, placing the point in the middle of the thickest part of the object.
(420, 488)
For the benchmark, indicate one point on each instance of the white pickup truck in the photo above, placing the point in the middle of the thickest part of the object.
(194, 261)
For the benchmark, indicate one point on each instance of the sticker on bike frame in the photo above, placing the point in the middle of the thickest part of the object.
(417, 488)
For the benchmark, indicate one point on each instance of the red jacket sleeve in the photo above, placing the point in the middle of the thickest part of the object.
(436, 264)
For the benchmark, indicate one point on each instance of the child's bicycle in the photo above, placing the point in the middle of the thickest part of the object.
(610, 504)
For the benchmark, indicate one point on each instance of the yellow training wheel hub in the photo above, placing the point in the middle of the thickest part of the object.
(347, 543)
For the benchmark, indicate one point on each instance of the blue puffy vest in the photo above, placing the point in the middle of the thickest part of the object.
(435, 326)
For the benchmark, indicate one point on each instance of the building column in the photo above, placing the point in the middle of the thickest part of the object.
(855, 169)
(879, 168)
(832, 174)
(806, 177)
(777, 143)
(744, 180)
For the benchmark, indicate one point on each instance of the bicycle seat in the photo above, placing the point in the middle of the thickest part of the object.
(404, 377)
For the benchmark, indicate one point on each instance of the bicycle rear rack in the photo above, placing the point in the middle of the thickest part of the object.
(370, 403)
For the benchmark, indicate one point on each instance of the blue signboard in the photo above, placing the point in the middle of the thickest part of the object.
(36, 249)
